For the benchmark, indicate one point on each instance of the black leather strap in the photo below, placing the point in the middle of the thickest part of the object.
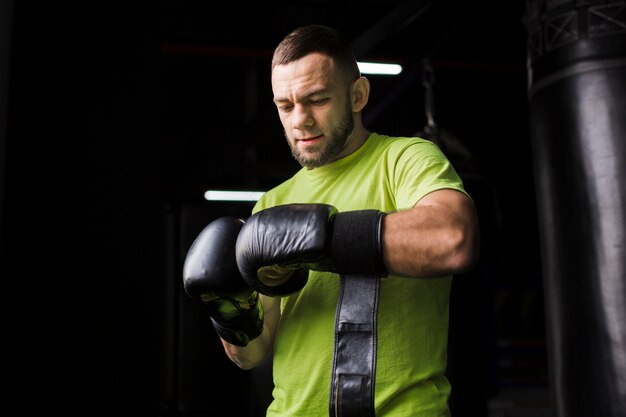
(355, 243)
(354, 358)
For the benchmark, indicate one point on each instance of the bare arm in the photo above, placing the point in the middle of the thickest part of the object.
(260, 348)
(438, 236)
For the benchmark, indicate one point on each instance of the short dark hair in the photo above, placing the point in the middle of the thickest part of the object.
(317, 38)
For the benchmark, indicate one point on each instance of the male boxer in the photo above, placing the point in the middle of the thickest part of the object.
(353, 256)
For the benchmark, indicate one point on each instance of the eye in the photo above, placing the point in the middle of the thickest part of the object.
(319, 101)
(285, 107)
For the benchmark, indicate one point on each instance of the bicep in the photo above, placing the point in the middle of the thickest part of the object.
(436, 237)
(457, 204)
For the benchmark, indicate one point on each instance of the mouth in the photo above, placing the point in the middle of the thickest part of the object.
(310, 139)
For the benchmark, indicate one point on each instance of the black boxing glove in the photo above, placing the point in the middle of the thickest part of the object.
(277, 247)
(210, 275)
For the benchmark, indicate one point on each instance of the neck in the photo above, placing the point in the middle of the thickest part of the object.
(357, 138)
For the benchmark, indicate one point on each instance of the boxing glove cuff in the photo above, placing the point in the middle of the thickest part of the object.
(238, 329)
(356, 243)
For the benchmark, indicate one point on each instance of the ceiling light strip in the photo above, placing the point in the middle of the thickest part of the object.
(226, 195)
(379, 69)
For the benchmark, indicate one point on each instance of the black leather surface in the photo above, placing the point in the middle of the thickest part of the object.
(354, 360)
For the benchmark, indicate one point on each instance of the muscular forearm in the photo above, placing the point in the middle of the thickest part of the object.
(437, 237)
(249, 356)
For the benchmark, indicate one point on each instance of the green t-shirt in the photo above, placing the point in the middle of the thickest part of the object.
(388, 174)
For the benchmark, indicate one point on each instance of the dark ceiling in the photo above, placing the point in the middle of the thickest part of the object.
(473, 31)
(219, 125)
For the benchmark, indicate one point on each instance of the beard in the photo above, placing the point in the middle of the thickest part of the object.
(331, 148)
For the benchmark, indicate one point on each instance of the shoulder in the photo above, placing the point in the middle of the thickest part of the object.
(402, 146)
(398, 143)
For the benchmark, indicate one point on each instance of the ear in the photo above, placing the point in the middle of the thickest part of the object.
(359, 94)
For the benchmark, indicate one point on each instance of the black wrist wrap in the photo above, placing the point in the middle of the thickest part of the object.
(356, 243)
(241, 329)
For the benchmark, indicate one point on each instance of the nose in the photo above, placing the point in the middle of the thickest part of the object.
(301, 117)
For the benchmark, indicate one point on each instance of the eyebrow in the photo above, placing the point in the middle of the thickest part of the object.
(305, 96)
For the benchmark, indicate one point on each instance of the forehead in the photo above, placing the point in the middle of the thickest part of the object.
(309, 73)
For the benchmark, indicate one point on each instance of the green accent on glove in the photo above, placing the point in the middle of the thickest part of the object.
(236, 321)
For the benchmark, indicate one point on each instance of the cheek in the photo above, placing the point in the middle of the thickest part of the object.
(286, 127)
(284, 120)
(324, 116)
(333, 118)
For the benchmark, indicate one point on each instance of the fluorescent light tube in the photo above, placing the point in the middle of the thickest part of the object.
(380, 69)
(224, 195)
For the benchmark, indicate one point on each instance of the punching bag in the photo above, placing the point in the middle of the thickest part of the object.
(577, 109)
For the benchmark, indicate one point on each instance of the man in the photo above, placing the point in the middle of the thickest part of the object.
(353, 256)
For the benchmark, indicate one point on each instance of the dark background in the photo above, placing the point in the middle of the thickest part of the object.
(117, 116)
